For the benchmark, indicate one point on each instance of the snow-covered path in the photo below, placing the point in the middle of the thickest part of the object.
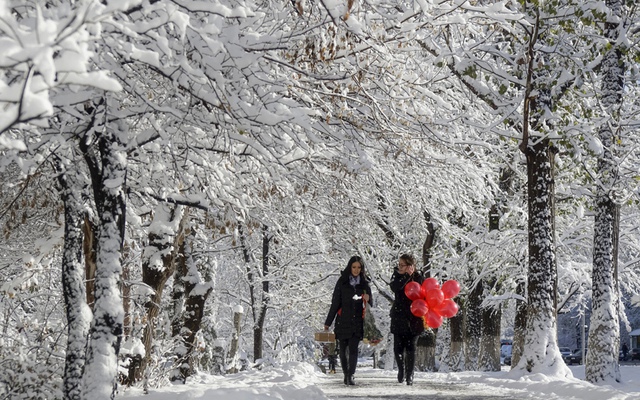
(381, 384)
(304, 381)
(378, 384)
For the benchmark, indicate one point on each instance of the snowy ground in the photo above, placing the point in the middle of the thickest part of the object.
(300, 381)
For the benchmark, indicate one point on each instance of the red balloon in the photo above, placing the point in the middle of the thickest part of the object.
(434, 298)
(433, 319)
(419, 308)
(450, 289)
(412, 290)
(429, 284)
(448, 308)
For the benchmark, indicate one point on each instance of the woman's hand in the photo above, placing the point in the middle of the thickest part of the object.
(326, 328)
(365, 298)
(405, 269)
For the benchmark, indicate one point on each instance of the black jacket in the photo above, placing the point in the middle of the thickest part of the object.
(403, 322)
(346, 310)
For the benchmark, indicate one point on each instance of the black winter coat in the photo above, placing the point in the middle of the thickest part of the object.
(346, 310)
(403, 322)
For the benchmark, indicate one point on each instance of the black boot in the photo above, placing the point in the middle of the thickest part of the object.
(400, 363)
(409, 364)
(351, 381)
(410, 374)
(344, 363)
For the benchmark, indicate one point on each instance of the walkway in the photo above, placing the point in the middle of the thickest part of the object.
(379, 384)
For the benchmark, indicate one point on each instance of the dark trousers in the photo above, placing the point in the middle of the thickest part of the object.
(404, 350)
(350, 360)
(332, 362)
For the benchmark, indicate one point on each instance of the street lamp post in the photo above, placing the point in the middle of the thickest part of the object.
(584, 326)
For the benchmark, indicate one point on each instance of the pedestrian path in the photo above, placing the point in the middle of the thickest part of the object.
(381, 384)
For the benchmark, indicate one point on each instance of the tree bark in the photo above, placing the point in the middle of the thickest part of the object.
(541, 330)
(490, 343)
(456, 351)
(108, 175)
(235, 342)
(473, 326)
(540, 341)
(426, 346)
(258, 328)
(89, 245)
(604, 330)
(157, 267)
(197, 293)
(520, 325)
(489, 359)
(74, 290)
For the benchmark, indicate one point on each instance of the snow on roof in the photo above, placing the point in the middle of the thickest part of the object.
(635, 332)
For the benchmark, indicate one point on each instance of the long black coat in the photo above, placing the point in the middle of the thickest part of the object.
(346, 310)
(403, 322)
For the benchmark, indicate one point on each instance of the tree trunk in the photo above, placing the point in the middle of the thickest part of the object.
(456, 352)
(157, 266)
(489, 359)
(490, 342)
(540, 342)
(520, 325)
(258, 328)
(197, 293)
(177, 301)
(235, 341)
(89, 245)
(108, 174)
(604, 330)
(126, 290)
(426, 346)
(541, 330)
(73, 285)
(473, 326)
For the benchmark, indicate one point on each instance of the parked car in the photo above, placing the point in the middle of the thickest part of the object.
(565, 351)
(635, 353)
(574, 358)
(621, 356)
(505, 353)
(505, 350)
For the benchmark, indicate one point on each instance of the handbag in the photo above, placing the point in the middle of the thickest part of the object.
(372, 334)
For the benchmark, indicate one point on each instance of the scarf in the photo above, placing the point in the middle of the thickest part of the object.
(354, 280)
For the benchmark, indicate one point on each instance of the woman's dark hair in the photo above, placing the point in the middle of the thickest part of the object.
(408, 259)
(353, 259)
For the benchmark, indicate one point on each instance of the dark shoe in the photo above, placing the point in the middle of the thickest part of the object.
(401, 375)
(346, 380)
(351, 381)
(409, 365)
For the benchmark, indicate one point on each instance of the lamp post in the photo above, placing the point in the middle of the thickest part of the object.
(584, 326)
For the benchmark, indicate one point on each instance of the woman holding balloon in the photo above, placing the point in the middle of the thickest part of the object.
(418, 302)
(405, 326)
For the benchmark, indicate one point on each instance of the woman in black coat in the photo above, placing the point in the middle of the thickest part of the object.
(347, 306)
(405, 326)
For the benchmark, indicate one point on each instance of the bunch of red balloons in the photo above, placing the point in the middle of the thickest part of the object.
(432, 302)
